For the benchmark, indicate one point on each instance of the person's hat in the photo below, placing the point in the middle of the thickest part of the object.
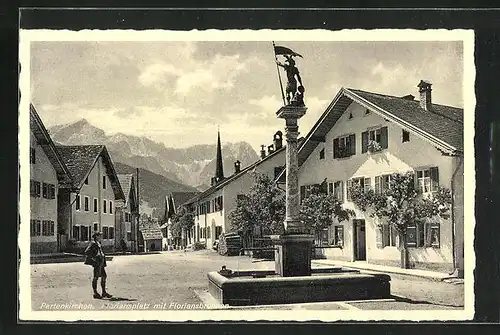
(96, 233)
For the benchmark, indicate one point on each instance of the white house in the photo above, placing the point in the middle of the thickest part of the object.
(410, 135)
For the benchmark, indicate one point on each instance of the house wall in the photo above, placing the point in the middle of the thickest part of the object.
(399, 157)
(94, 190)
(210, 220)
(458, 214)
(243, 184)
(41, 208)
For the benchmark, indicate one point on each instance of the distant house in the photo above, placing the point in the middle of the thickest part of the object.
(91, 207)
(362, 138)
(213, 206)
(172, 203)
(48, 175)
(151, 236)
(127, 214)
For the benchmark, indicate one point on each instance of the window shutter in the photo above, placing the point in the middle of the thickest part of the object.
(302, 193)
(378, 188)
(415, 182)
(352, 144)
(434, 178)
(349, 184)
(383, 138)
(336, 148)
(341, 191)
(379, 237)
(341, 235)
(364, 142)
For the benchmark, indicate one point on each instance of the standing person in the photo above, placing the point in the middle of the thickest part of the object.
(95, 256)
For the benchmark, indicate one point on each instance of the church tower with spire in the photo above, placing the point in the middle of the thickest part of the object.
(219, 170)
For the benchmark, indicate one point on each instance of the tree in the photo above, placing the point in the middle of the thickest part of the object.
(402, 206)
(319, 209)
(182, 220)
(263, 208)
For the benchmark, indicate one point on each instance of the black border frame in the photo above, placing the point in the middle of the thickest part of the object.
(486, 24)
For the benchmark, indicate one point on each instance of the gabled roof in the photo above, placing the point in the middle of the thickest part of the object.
(43, 139)
(174, 200)
(150, 230)
(179, 198)
(232, 178)
(127, 184)
(81, 159)
(442, 126)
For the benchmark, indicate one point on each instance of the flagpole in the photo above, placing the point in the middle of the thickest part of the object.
(279, 76)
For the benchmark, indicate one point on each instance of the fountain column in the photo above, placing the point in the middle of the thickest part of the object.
(294, 247)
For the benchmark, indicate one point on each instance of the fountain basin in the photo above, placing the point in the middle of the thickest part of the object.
(259, 287)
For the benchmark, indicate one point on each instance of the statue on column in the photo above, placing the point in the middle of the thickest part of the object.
(294, 88)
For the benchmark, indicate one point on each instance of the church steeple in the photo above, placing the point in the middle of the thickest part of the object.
(219, 171)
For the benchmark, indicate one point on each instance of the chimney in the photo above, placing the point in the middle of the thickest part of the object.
(237, 167)
(270, 149)
(262, 151)
(424, 88)
(278, 140)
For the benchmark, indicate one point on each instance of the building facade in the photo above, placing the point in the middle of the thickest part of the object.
(48, 174)
(92, 206)
(173, 202)
(364, 137)
(213, 206)
(127, 215)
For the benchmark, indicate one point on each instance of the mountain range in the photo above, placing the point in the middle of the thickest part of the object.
(184, 169)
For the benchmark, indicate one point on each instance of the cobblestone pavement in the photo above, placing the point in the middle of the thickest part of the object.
(170, 279)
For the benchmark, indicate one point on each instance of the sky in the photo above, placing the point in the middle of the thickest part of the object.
(180, 93)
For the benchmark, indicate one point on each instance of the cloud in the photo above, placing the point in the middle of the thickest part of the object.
(190, 75)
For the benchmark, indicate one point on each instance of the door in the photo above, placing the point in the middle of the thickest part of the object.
(359, 240)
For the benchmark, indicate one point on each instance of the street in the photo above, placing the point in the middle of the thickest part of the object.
(171, 279)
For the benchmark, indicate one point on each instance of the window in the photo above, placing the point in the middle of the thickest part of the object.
(51, 228)
(382, 183)
(367, 184)
(218, 231)
(110, 207)
(427, 180)
(104, 206)
(344, 146)
(45, 228)
(76, 233)
(104, 182)
(35, 188)
(86, 204)
(338, 236)
(45, 191)
(360, 182)
(96, 205)
(322, 154)
(111, 232)
(86, 181)
(305, 191)
(84, 234)
(406, 136)
(387, 236)
(35, 228)
(129, 236)
(77, 202)
(105, 232)
(367, 112)
(322, 238)
(374, 140)
(32, 155)
(424, 235)
(338, 190)
(52, 191)
(350, 116)
(96, 228)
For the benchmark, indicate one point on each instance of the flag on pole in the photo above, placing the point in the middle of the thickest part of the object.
(281, 50)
